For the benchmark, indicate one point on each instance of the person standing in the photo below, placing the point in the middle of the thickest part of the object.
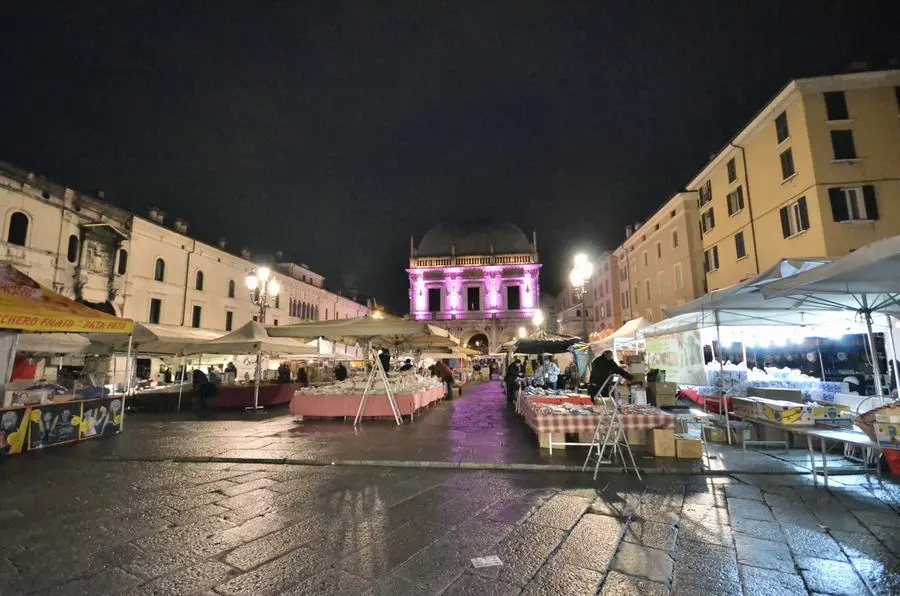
(551, 373)
(602, 368)
(446, 375)
(340, 372)
(385, 358)
(513, 371)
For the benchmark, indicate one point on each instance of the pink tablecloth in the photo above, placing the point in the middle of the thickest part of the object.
(332, 406)
(242, 395)
(632, 417)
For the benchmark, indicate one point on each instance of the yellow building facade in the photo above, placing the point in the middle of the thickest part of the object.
(659, 264)
(815, 174)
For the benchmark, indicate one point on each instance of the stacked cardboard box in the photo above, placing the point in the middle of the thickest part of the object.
(776, 393)
(662, 442)
(661, 394)
(688, 448)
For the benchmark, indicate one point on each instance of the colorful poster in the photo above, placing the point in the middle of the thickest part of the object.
(101, 418)
(54, 424)
(13, 430)
(680, 355)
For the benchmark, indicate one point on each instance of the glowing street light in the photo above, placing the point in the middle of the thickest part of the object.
(263, 289)
(522, 332)
(538, 318)
(582, 270)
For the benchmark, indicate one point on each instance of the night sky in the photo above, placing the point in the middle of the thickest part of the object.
(333, 131)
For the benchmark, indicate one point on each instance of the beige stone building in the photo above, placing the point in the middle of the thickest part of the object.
(816, 173)
(660, 263)
(142, 267)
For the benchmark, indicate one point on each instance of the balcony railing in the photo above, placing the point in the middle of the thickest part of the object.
(516, 315)
(476, 261)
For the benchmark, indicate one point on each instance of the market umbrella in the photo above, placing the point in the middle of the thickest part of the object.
(543, 342)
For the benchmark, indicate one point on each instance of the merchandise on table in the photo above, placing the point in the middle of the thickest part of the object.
(401, 384)
(735, 380)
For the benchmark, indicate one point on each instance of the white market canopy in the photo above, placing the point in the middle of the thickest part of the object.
(627, 332)
(865, 280)
(386, 332)
(744, 304)
(252, 338)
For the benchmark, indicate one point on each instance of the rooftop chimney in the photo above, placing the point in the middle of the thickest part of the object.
(245, 253)
(101, 195)
(221, 242)
(629, 230)
(157, 215)
(278, 255)
(181, 226)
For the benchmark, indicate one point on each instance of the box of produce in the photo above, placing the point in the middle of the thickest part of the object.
(787, 413)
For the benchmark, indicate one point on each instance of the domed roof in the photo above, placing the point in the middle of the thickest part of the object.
(476, 237)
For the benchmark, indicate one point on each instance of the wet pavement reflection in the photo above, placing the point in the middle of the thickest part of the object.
(76, 526)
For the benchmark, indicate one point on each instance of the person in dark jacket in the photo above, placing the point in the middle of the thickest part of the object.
(302, 377)
(513, 371)
(340, 372)
(385, 357)
(602, 368)
(446, 375)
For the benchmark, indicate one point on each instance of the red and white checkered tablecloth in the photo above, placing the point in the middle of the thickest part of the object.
(632, 417)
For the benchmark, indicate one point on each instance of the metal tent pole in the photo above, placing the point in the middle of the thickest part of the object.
(893, 348)
(879, 390)
(128, 369)
(256, 405)
(821, 362)
(181, 385)
(723, 403)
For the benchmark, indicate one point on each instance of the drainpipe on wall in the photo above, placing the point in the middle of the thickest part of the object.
(187, 279)
(749, 205)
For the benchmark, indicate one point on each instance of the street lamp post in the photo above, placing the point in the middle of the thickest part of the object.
(581, 273)
(263, 288)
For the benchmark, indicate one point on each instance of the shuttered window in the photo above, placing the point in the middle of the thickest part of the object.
(853, 204)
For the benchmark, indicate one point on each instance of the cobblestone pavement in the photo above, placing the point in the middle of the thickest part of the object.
(75, 526)
(477, 429)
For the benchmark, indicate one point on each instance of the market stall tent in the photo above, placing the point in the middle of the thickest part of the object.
(27, 307)
(864, 282)
(386, 332)
(251, 338)
(745, 304)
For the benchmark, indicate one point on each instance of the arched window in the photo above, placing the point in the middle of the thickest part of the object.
(72, 251)
(293, 308)
(231, 288)
(305, 310)
(123, 261)
(159, 271)
(316, 313)
(198, 284)
(18, 229)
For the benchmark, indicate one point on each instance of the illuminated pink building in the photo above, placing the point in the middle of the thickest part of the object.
(478, 279)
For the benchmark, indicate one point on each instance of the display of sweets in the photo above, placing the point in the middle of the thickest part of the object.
(403, 384)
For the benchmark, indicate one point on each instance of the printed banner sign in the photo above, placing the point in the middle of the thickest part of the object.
(680, 355)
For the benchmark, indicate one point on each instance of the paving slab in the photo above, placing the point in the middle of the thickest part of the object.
(643, 562)
(831, 577)
(766, 582)
(619, 584)
(766, 554)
